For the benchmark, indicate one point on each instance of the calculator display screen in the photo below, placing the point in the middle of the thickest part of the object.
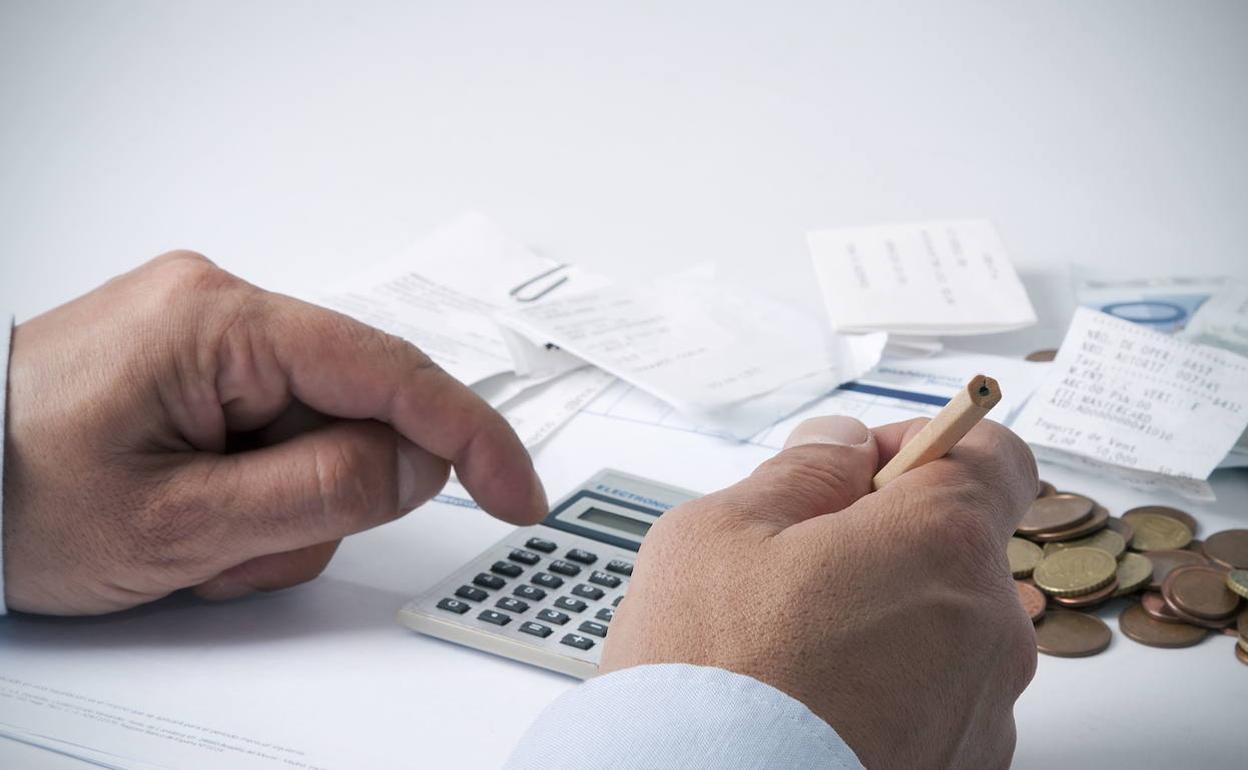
(615, 521)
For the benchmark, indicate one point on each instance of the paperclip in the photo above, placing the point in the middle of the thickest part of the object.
(516, 292)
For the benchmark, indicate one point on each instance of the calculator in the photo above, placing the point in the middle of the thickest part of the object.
(545, 595)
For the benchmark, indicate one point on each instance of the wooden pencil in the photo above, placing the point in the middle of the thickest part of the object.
(946, 429)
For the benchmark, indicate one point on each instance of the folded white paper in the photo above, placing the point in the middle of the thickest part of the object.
(927, 278)
(740, 362)
(1129, 396)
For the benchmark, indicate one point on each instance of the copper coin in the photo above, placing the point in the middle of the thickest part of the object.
(1046, 489)
(1164, 510)
(1157, 609)
(1088, 600)
(1031, 599)
(1043, 355)
(1055, 513)
(1068, 634)
(1199, 591)
(1228, 548)
(1165, 561)
(1136, 624)
(1242, 623)
(1100, 515)
(1121, 527)
(1241, 655)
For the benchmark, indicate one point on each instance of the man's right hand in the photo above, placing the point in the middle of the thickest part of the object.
(891, 614)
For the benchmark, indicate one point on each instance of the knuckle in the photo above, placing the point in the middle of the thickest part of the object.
(344, 479)
(805, 473)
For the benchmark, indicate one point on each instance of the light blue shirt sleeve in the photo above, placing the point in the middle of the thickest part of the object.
(6, 336)
(679, 716)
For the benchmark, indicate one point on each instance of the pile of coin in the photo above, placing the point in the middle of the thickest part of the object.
(1069, 554)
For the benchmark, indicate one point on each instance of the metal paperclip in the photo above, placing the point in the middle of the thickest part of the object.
(517, 292)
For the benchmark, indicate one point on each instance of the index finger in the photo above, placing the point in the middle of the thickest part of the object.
(345, 368)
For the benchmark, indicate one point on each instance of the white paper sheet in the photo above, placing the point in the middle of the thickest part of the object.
(739, 362)
(1222, 321)
(540, 411)
(927, 278)
(1128, 396)
(440, 296)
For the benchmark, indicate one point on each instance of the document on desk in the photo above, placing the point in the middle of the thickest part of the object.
(1222, 321)
(928, 278)
(441, 294)
(1124, 395)
(737, 361)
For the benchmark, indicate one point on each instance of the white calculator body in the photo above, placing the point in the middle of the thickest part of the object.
(546, 594)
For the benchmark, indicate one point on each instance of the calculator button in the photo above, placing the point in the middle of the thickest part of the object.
(489, 581)
(453, 605)
(511, 605)
(578, 641)
(497, 618)
(524, 557)
(581, 555)
(606, 613)
(603, 579)
(568, 603)
(538, 544)
(564, 568)
(550, 616)
(530, 593)
(620, 566)
(590, 627)
(547, 580)
(588, 592)
(537, 629)
(471, 594)
(617, 601)
(506, 569)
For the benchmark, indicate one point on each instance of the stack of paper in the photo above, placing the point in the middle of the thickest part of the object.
(922, 279)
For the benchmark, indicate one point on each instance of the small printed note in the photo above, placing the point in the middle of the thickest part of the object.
(1128, 396)
(927, 278)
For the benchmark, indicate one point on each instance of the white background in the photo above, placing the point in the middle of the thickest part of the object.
(293, 142)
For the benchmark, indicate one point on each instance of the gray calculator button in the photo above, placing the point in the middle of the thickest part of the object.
(564, 568)
(588, 592)
(617, 601)
(497, 618)
(590, 627)
(550, 616)
(581, 555)
(530, 593)
(538, 544)
(524, 557)
(547, 580)
(453, 605)
(603, 579)
(537, 629)
(578, 641)
(489, 581)
(606, 613)
(511, 605)
(570, 604)
(620, 566)
(506, 568)
(471, 594)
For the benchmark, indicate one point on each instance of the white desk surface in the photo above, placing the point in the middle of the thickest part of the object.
(286, 142)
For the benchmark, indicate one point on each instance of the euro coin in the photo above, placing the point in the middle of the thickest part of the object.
(1075, 571)
(1068, 634)
(1155, 532)
(1023, 556)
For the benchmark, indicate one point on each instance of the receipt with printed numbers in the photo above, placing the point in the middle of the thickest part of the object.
(1128, 396)
(927, 278)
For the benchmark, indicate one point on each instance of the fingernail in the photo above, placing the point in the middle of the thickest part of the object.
(837, 430)
(408, 472)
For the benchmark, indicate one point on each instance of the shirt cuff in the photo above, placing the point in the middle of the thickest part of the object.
(6, 336)
(678, 715)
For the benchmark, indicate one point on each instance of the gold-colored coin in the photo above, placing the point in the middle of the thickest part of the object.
(1023, 556)
(1154, 532)
(1075, 571)
(1134, 572)
(1105, 540)
(1236, 580)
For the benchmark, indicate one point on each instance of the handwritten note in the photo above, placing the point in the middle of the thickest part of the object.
(1128, 396)
(928, 278)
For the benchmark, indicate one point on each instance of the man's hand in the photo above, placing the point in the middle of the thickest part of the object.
(179, 427)
(891, 614)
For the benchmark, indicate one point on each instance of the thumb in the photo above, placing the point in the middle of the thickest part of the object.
(826, 465)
